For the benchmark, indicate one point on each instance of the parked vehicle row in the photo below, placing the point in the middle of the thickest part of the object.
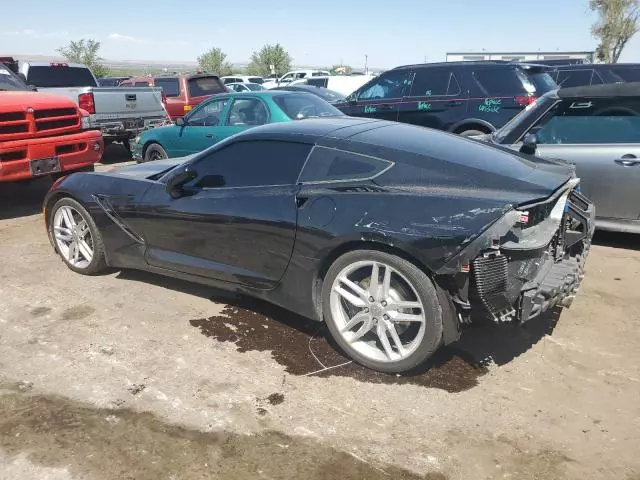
(120, 114)
(42, 134)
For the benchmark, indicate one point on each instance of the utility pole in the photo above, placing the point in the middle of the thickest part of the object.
(366, 61)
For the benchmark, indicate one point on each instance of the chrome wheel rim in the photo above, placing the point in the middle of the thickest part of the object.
(377, 311)
(73, 237)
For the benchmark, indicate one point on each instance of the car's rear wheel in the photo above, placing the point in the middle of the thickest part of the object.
(382, 310)
(154, 152)
(76, 237)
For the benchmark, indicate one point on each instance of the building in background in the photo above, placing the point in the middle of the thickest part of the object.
(586, 57)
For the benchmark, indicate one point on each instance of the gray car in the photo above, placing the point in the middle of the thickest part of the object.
(597, 128)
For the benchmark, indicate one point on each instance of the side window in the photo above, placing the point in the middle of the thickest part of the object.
(330, 164)
(574, 78)
(207, 115)
(502, 81)
(388, 85)
(433, 81)
(592, 121)
(141, 84)
(628, 74)
(252, 164)
(247, 112)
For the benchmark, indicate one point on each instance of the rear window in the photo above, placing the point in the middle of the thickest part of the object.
(503, 81)
(52, 77)
(203, 86)
(170, 86)
(297, 106)
(256, 80)
(330, 165)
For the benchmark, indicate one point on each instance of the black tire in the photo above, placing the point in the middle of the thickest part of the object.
(98, 263)
(426, 292)
(471, 133)
(154, 152)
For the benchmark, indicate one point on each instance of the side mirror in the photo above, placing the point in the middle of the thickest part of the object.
(33, 88)
(175, 183)
(352, 99)
(529, 144)
(180, 122)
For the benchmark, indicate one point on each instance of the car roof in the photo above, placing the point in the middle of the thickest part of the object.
(488, 63)
(631, 89)
(310, 129)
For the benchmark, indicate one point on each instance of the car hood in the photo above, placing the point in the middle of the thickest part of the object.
(149, 169)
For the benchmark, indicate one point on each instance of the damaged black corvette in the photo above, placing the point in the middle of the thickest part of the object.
(394, 235)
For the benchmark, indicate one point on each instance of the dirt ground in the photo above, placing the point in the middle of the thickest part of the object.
(135, 376)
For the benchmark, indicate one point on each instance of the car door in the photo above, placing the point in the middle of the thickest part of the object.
(433, 100)
(202, 127)
(243, 113)
(381, 97)
(601, 136)
(236, 221)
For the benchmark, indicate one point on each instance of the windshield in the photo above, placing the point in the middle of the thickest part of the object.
(305, 105)
(254, 87)
(60, 76)
(9, 82)
(500, 135)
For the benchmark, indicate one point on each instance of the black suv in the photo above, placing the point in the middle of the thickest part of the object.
(596, 74)
(468, 98)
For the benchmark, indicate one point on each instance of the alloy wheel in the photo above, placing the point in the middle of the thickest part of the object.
(377, 311)
(73, 237)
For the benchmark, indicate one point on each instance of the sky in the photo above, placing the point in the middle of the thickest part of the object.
(314, 33)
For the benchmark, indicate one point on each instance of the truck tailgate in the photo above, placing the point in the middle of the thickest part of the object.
(121, 103)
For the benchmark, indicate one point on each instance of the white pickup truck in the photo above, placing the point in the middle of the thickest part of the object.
(120, 113)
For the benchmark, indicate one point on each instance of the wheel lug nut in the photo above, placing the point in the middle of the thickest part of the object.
(371, 299)
(386, 317)
(366, 310)
(384, 303)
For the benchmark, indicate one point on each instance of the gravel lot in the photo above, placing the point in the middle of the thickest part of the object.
(135, 376)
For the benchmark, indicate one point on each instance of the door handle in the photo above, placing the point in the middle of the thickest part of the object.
(627, 160)
(384, 107)
(210, 135)
(453, 103)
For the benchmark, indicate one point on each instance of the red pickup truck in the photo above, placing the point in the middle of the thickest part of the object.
(42, 134)
(183, 92)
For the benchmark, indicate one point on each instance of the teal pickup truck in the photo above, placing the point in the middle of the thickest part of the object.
(225, 115)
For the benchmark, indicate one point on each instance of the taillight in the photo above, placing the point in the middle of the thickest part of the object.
(86, 102)
(524, 101)
(188, 108)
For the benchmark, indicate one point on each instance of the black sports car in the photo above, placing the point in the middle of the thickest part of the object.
(394, 235)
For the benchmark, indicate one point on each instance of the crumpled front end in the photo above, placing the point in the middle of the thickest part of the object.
(526, 263)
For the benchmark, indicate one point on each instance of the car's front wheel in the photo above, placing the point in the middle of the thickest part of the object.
(154, 152)
(76, 237)
(382, 310)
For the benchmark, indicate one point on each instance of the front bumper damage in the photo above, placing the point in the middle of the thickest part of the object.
(527, 263)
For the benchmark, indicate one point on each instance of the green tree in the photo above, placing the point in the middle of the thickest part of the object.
(341, 69)
(617, 23)
(268, 55)
(87, 52)
(215, 61)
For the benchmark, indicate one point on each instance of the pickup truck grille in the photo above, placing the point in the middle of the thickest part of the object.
(56, 119)
(43, 122)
